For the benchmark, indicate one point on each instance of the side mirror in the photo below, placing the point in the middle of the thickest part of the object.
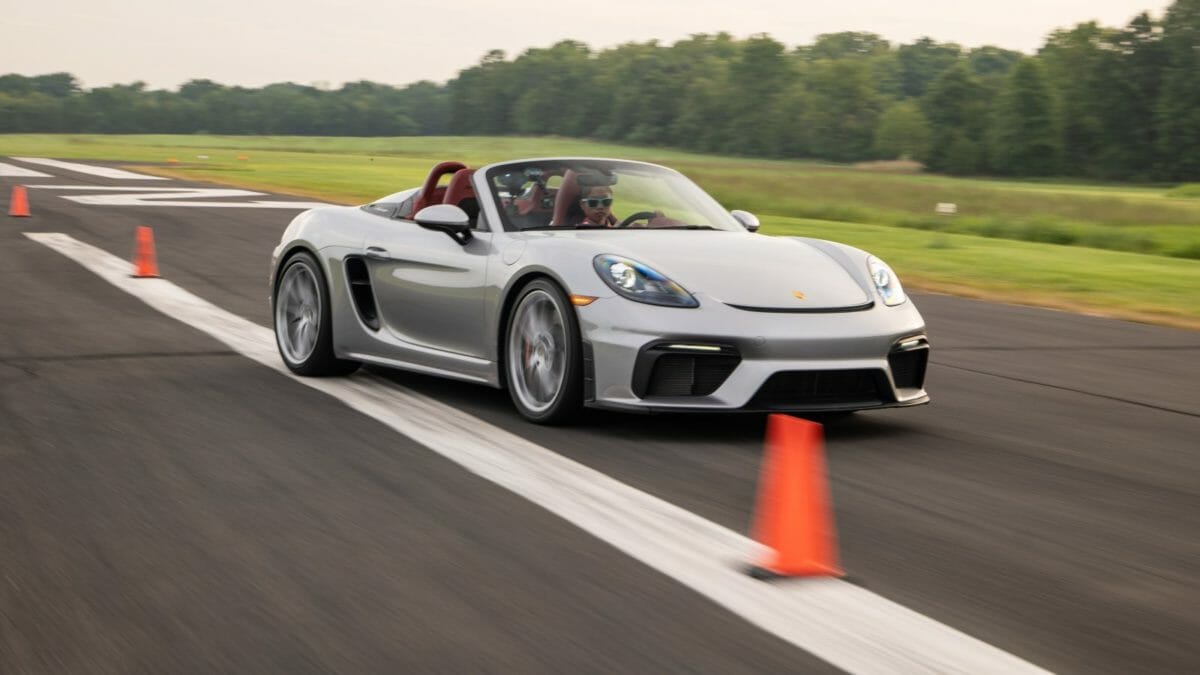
(747, 219)
(446, 218)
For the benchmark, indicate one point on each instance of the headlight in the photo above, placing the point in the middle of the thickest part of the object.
(885, 281)
(641, 283)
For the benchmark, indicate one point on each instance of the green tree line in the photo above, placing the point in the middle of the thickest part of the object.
(1094, 102)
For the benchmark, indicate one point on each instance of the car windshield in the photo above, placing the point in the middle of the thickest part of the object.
(601, 194)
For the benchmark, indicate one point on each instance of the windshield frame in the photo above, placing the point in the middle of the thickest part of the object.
(682, 187)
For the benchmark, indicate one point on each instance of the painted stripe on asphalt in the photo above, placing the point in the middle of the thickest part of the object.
(133, 188)
(101, 171)
(138, 195)
(843, 624)
(14, 171)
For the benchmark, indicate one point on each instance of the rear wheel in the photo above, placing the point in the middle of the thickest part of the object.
(303, 321)
(543, 361)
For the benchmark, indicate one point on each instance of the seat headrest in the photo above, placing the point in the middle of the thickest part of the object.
(430, 193)
(460, 187)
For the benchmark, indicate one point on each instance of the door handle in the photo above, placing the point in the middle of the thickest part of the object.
(377, 253)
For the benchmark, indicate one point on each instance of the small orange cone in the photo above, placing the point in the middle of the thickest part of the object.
(144, 263)
(793, 516)
(19, 206)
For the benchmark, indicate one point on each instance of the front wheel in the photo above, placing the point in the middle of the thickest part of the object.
(303, 320)
(543, 362)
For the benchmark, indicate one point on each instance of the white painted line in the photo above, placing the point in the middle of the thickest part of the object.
(14, 171)
(211, 205)
(843, 624)
(157, 196)
(121, 188)
(101, 171)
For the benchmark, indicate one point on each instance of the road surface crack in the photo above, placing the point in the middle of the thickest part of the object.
(1073, 390)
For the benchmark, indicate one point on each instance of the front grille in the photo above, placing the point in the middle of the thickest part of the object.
(817, 389)
(908, 367)
(689, 375)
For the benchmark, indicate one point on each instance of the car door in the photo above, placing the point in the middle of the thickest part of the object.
(429, 287)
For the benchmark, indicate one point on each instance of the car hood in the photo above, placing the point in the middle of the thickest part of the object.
(746, 270)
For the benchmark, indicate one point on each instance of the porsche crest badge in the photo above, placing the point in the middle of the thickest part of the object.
(799, 294)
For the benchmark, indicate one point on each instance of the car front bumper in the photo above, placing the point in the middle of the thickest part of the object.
(723, 358)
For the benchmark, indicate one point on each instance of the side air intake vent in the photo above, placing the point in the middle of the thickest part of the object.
(683, 369)
(361, 293)
(908, 361)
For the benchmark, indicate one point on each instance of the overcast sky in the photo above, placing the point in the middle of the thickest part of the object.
(257, 42)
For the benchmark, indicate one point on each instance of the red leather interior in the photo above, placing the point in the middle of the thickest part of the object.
(568, 194)
(459, 187)
(430, 192)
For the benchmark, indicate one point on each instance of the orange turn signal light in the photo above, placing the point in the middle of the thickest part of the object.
(582, 300)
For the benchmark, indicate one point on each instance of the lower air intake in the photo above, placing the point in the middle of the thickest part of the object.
(689, 375)
(908, 367)
(821, 389)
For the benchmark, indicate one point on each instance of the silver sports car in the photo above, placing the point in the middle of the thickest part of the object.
(594, 282)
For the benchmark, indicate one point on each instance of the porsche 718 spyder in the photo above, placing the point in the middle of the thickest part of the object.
(594, 282)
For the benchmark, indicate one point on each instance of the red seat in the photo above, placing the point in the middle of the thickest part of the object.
(461, 193)
(568, 196)
(460, 187)
(430, 192)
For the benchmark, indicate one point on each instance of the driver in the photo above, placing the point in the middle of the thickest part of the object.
(596, 203)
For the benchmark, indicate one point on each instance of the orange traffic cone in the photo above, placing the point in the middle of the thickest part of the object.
(144, 263)
(20, 202)
(793, 516)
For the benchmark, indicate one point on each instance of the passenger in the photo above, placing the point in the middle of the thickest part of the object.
(596, 203)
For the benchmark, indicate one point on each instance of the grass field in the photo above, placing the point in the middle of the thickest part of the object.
(1117, 250)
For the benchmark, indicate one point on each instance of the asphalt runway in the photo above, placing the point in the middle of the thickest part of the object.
(167, 505)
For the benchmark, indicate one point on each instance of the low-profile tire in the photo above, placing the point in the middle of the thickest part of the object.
(303, 320)
(543, 359)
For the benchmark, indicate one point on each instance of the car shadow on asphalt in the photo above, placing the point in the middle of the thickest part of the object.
(495, 407)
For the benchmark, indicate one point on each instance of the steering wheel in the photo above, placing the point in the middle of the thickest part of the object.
(640, 215)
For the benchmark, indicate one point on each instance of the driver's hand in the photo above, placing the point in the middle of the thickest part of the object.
(660, 219)
(649, 222)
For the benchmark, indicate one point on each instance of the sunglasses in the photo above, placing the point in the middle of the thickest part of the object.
(596, 202)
